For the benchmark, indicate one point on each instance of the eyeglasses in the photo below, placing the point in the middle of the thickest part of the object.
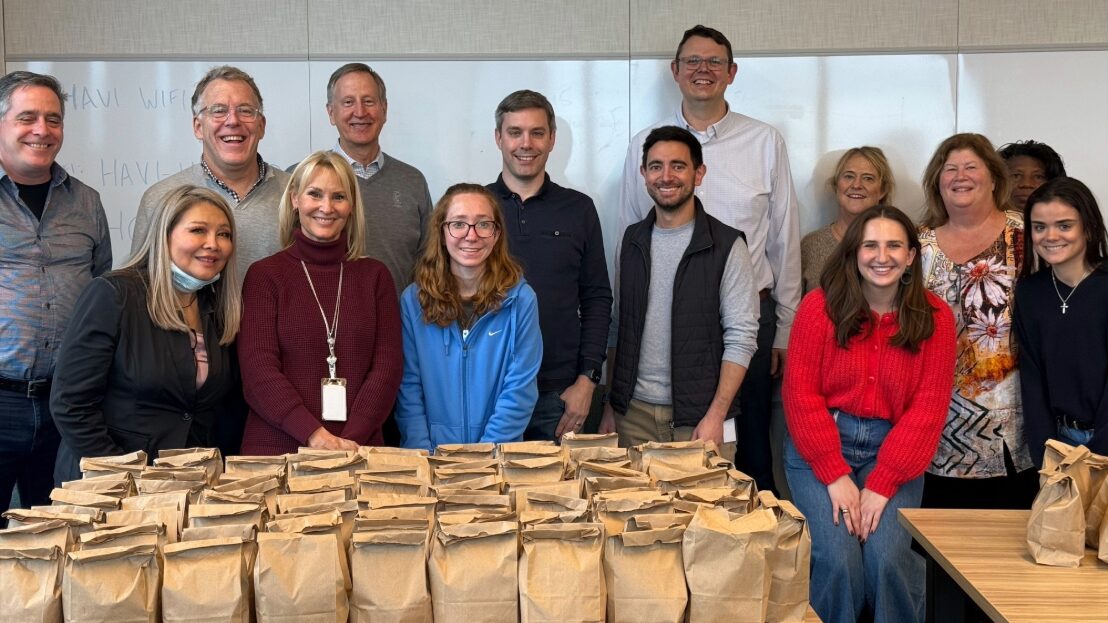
(460, 229)
(715, 63)
(219, 112)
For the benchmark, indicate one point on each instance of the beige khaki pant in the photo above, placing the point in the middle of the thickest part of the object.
(646, 421)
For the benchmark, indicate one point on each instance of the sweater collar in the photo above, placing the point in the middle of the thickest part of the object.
(313, 252)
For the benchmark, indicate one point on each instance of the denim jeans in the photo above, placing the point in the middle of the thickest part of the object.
(544, 419)
(28, 447)
(1074, 436)
(883, 575)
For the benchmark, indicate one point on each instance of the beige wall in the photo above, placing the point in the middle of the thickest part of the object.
(300, 29)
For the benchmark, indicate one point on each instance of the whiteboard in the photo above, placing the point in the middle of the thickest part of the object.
(128, 124)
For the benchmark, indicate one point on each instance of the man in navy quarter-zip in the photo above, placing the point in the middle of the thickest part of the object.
(554, 232)
(686, 307)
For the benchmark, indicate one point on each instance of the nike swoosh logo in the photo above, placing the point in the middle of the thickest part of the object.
(492, 333)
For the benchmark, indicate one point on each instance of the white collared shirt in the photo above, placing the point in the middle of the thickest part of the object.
(364, 171)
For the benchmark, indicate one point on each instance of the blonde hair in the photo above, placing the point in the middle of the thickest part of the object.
(153, 261)
(437, 286)
(936, 214)
(288, 221)
(875, 157)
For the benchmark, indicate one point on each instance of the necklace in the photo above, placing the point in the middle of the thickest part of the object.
(1065, 300)
(190, 303)
(332, 328)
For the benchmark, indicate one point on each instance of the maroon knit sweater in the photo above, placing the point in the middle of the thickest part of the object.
(283, 346)
(870, 379)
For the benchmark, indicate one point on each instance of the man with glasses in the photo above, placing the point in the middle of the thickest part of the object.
(554, 232)
(395, 197)
(53, 240)
(229, 122)
(748, 186)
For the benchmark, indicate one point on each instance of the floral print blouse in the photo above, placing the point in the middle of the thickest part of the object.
(985, 414)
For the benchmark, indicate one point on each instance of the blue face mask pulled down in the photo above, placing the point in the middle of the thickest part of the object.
(186, 282)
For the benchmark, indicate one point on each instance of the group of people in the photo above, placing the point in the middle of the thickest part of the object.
(263, 310)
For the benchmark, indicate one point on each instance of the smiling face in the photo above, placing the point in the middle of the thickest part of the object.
(468, 254)
(201, 241)
(883, 256)
(230, 144)
(31, 134)
(1057, 234)
(671, 178)
(358, 112)
(1027, 174)
(965, 182)
(702, 84)
(858, 186)
(324, 205)
(525, 141)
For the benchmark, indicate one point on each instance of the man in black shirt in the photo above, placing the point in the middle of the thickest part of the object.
(555, 233)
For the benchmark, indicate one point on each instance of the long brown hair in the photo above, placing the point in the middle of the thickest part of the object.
(842, 287)
(936, 214)
(437, 286)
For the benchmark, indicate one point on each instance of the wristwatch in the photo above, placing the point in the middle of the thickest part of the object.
(593, 375)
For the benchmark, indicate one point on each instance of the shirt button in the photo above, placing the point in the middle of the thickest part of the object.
(557, 233)
(873, 379)
(187, 416)
(523, 222)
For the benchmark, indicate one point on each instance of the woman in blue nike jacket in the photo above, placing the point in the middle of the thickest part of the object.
(472, 346)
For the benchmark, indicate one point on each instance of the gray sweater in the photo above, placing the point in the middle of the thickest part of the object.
(397, 209)
(255, 216)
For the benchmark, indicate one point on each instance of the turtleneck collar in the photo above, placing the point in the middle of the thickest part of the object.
(313, 252)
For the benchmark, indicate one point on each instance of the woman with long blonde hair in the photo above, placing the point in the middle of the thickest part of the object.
(472, 346)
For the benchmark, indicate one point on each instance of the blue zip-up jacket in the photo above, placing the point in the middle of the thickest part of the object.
(477, 390)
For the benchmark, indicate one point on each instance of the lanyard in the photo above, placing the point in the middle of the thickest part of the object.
(333, 327)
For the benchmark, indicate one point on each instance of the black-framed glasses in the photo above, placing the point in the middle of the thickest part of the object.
(219, 112)
(460, 229)
(714, 63)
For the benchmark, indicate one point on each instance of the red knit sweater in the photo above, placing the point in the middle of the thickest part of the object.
(870, 379)
(283, 346)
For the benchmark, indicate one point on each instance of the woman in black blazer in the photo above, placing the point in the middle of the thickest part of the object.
(147, 362)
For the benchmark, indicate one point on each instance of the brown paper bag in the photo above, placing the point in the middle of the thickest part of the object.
(549, 502)
(659, 521)
(266, 485)
(133, 463)
(286, 501)
(97, 514)
(324, 482)
(247, 466)
(247, 534)
(734, 500)
(725, 565)
(31, 584)
(201, 515)
(456, 472)
(472, 570)
(375, 484)
(1094, 518)
(536, 518)
(367, 451)
(789, 561)
(325, 523)
(390, 583)
(83, 498)
(470, 481)
(533, 471)
(468, 451)
(124, 536)
(589, 469)
(298, 578)
(602, 484)
(39, 535)
(175, 502)
(206, 581)
(118, 485)
(78, 523)
(573, 441)
(164, 518)
(681, 455)
(113, 584)
(671, 480)
(474, 502)
(209, 459)
(561, 577)
(565, 488)
(595, 454)
(1087, 469)
(644, 575)
(153, 487)
(1056, 528)
(323, 466)
(614, 508)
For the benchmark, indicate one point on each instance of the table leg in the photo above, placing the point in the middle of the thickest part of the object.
(946, 602)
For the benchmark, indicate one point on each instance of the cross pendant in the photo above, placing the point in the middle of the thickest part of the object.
(1064, 307)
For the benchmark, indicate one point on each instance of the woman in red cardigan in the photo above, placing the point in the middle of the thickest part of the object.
(320, 347)
(867, 384)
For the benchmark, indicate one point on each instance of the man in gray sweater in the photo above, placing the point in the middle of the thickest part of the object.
(395, 198)
(229, 122)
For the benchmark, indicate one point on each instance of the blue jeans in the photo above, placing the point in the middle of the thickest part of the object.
(28, 447)
(544, 419)
(1074, 436)
(883, 575)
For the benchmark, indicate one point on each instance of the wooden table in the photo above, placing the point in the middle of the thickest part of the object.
(983, 555)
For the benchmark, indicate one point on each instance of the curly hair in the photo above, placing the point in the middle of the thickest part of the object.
(437, 288)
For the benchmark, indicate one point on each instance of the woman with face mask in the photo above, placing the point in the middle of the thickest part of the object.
(147, 362)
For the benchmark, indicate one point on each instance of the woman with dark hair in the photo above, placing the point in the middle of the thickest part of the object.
(1062, 319)
(472, 346)
(862, 179)
(867, 384)
(320, 343)
(148, 362)
(1030, 164)
(971, 250)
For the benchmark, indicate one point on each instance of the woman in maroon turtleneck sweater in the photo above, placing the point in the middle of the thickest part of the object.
(317, 287)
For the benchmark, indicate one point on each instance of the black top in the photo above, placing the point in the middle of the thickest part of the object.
(1063, 358)
(34, 195)
(556, 236)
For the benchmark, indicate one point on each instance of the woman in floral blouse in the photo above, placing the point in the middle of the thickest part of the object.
(972, 250)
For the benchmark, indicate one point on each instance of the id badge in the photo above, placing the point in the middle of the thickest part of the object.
(334, 400)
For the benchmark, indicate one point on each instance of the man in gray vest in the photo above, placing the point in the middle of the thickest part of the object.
(395, 198)
(228, 120)
(686, 307)
(53, 240)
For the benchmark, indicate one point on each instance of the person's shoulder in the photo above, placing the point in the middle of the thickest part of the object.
(157, 190)
(640, 136)
(397, 166)
(521, 293)
(276, 175)
(571, 196)
(1013, 218)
